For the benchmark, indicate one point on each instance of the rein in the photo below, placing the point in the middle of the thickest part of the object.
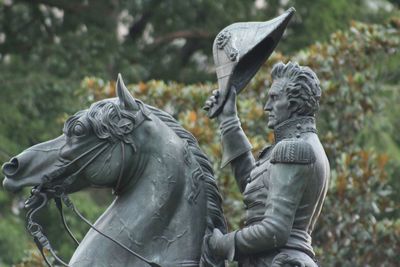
(41, 194)
(34, 203)
(38, 199)
(117, 188)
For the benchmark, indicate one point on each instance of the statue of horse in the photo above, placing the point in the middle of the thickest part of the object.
(166, 200)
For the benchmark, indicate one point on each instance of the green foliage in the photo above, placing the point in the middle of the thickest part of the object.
(62, 63)
(11, 240)
(364, 234)
(152, 39)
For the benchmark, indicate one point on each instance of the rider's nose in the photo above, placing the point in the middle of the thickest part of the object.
(267, 106)
(10, 168)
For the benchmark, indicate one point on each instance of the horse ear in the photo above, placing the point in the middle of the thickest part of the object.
(126, 100)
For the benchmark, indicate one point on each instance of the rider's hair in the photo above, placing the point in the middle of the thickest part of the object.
(301, 85)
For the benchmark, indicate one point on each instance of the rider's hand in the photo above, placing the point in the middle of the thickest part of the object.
(229, 110)
(222, 246)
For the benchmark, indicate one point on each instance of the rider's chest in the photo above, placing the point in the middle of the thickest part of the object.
(255, 194)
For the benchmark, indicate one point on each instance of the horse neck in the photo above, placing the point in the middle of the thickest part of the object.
(153, 216)
(156, 200)
(157, 151)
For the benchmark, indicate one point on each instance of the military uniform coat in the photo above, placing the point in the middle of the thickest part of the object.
(283, 192)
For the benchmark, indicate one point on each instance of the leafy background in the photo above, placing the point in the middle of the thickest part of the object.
(57, 57)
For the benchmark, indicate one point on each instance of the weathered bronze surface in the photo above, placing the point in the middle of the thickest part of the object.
(240, 49)
(167, 210)
(167, 198)
(285, 187)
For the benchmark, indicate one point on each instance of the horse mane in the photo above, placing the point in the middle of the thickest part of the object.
(104, 115)
(215, 217)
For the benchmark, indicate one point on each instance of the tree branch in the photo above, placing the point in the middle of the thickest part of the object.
(188, 50)
(137, 28)
(195, 34)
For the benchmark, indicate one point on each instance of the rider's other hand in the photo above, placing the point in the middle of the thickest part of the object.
(229, 110)
(222, 246)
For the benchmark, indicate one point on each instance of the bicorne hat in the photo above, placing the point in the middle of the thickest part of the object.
(240, 49)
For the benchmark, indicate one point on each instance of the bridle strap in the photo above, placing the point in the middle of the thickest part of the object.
(141, 115)
(58, 202)
(74, 176)
(117, 188)
(60, 197)
(70, 205)
(35, 229)
(42, 242)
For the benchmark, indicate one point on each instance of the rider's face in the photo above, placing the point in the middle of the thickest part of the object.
(277, 105)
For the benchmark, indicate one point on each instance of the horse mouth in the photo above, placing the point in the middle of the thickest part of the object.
(15, 186)
(11, 185)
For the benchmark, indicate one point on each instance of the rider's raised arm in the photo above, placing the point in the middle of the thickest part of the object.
(236, 150)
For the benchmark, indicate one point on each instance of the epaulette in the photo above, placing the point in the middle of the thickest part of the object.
(293, 151)
(264, 151)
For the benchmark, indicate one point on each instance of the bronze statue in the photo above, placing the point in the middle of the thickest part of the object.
(167, 198)
(167, 211)
(284, 188)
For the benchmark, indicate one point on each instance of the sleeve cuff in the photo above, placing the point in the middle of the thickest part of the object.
(229, 245)
(234, 141)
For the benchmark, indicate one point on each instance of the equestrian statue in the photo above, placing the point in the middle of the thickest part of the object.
(167, 210)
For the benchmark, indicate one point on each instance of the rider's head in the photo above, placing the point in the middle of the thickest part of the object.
(295, 91)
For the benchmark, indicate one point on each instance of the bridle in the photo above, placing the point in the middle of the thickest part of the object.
(41, 194)
(38, 199)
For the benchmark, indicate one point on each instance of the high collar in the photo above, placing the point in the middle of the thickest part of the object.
(294, 127)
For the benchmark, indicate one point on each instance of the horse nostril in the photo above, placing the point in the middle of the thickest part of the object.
(10, 168)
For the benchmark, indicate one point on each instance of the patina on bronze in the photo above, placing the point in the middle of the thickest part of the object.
(167, 198)
(167, 211)
(285, 187)
(240, 49)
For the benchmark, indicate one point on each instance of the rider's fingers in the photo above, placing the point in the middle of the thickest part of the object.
(207, 105)
(213, 99)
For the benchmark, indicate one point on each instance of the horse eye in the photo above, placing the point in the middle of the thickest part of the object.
(78, 130)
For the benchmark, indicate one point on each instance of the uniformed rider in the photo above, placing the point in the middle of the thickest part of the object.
(285, 187)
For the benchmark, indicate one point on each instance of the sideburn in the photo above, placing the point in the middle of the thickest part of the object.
(295, 108)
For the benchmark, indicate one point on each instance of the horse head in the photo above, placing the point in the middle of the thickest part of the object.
(81, 156)
(167, 195)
